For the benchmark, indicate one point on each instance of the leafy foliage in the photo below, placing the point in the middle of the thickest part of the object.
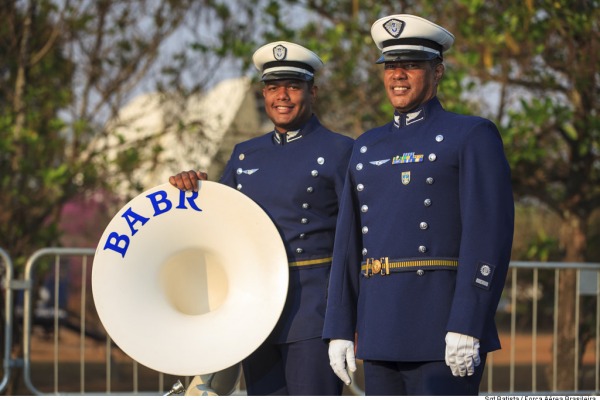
(529, 66)
(68, 67)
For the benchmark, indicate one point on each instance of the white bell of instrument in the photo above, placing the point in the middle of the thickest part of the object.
(190, 286)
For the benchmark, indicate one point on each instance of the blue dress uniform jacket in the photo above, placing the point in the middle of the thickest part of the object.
(297, 179)
(430, 192)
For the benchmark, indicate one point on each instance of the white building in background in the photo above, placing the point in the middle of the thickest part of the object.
(196, 134)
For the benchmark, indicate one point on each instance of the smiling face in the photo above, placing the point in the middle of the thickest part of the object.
(411, 83)
(288, 103)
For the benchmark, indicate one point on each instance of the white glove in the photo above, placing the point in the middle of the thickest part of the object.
(341, 352)
(462, 354)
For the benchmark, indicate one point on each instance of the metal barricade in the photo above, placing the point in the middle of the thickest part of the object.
(529, 349)
(508, 371)
(519, 295)
(54, 259)
(5, 284)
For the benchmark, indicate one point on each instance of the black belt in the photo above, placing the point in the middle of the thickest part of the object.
(385, 266)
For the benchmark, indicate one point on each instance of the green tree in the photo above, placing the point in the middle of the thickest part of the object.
(66, 69)
(543, 55)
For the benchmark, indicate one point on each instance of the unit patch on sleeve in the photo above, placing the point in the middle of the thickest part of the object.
(484, 275)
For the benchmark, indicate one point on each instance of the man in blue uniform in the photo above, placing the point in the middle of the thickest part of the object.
(296, 174)
(424, 232)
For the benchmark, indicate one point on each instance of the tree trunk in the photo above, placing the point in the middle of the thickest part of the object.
(21, 78)
(573, 241)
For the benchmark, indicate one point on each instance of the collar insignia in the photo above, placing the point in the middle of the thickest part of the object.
(290, 136)
(414, 117)
(401, 119)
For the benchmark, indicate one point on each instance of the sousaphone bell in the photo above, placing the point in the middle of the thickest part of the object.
(190, 283)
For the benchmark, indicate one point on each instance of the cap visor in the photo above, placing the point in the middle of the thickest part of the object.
(407, 56)
(275, 76)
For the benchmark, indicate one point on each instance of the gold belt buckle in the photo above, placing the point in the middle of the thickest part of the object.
(376, 266)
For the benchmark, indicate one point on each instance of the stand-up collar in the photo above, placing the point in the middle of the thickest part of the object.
(417, 115)
(289, 136)
(292, 136)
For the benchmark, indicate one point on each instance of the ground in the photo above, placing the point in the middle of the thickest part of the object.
(71, 377)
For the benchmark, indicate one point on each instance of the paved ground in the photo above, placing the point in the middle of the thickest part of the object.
(71, 376)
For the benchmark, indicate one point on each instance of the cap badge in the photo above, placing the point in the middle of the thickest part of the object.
(279, 52)
(394, 27)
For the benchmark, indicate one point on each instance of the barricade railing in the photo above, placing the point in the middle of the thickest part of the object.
(546, 325)
(527, 318)
(6, 280)
(55, 263)
(527, 364)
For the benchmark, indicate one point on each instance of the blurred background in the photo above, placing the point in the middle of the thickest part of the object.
(101, 100)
